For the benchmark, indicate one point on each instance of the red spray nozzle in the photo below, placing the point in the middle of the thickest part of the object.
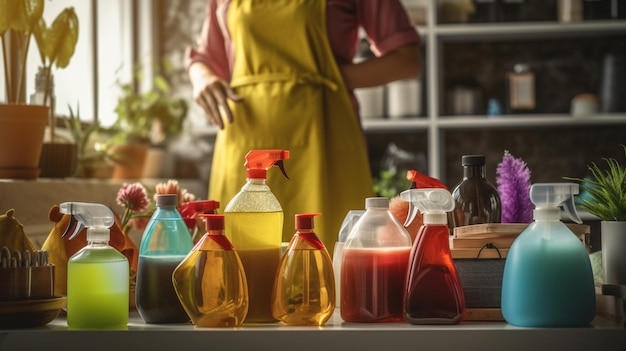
(259, 161)
(419, 180)
(190, 210)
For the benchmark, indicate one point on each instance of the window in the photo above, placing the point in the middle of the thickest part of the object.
(104, 53)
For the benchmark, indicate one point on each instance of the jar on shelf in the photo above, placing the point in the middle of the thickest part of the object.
(520, 89)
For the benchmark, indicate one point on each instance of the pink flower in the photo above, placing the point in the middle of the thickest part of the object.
(133, 197)
(172, 187)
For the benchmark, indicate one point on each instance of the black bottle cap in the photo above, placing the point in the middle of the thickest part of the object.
(473, 160)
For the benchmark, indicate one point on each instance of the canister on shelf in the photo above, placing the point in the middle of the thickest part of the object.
(520, 89)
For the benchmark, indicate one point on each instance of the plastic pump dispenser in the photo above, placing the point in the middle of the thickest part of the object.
(433, 293)
(374, 266)
(254, 225)
(304, 291)
(98, 274)
(210, 282)
(547, 279)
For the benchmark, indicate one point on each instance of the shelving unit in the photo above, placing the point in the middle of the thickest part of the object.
(436, 123)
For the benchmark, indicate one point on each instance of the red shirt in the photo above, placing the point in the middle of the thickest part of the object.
(384, 21)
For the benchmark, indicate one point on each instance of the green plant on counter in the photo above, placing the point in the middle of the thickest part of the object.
(390, 183)
(82, 133)
(606, 190)
(139, 114)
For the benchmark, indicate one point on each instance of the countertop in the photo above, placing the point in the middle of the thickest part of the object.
(604, 334)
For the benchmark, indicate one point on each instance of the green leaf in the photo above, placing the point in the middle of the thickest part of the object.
(61, 38)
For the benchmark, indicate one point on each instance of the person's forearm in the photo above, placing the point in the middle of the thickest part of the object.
(402, 63)
(198, 72)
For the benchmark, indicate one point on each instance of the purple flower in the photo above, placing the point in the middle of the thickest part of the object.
(513, 181)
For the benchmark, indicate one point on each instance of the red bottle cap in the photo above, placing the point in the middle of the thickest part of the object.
(213, 221)
(305, 220)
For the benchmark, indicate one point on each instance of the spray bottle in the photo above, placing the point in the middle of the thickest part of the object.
(304, 291)
(254, 225)
(210, 282)
(433, 293)
(98, 274)
(547, 279)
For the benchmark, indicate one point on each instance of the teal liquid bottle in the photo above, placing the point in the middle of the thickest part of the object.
(304, 290)
(98, 274)
(165, 243)
(547, 279)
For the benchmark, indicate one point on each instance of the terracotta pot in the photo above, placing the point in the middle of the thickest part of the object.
(21, 139)
(129, 160)
(58, 160)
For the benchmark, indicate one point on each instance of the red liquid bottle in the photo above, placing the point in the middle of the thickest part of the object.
(374, 266)
(433, 292)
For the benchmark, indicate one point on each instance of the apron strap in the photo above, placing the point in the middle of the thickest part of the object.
(302, 78)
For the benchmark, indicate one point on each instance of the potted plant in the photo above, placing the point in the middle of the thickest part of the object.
(92, 160)
(604, 195)
(23, 125)
(144, 119)
(21, 135)
(56, 47)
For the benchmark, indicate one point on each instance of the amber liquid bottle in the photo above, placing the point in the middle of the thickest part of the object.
(304, 291)
(476, 200)
(210, 282)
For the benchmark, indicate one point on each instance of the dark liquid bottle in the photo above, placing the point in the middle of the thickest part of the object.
(165, 243)
(476, 200)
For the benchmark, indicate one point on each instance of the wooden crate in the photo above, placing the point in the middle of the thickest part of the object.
(479, 252)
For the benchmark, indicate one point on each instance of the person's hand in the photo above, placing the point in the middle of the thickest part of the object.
(212, 94)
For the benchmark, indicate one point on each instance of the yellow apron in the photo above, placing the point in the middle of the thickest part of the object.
(294, 98)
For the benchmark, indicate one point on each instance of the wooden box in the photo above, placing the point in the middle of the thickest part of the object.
(479, 252)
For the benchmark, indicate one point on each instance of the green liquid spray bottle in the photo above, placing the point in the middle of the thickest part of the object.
(98, 274)
(547, 279)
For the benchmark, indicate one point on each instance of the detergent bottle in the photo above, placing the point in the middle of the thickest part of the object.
(374, 266)
(210, 282)
(346, 226)
(547, 279)
(433, 292)
(304, 291)
(254, 225)
(164, 244)
(98, 274)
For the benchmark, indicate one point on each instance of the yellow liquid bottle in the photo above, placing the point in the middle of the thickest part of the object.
(254, 225)
(210, 282)
(304, 290)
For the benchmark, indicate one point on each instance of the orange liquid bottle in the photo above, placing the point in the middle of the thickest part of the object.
(210, 282)
(304, 291)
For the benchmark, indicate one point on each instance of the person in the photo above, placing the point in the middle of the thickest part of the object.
(279, 75)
